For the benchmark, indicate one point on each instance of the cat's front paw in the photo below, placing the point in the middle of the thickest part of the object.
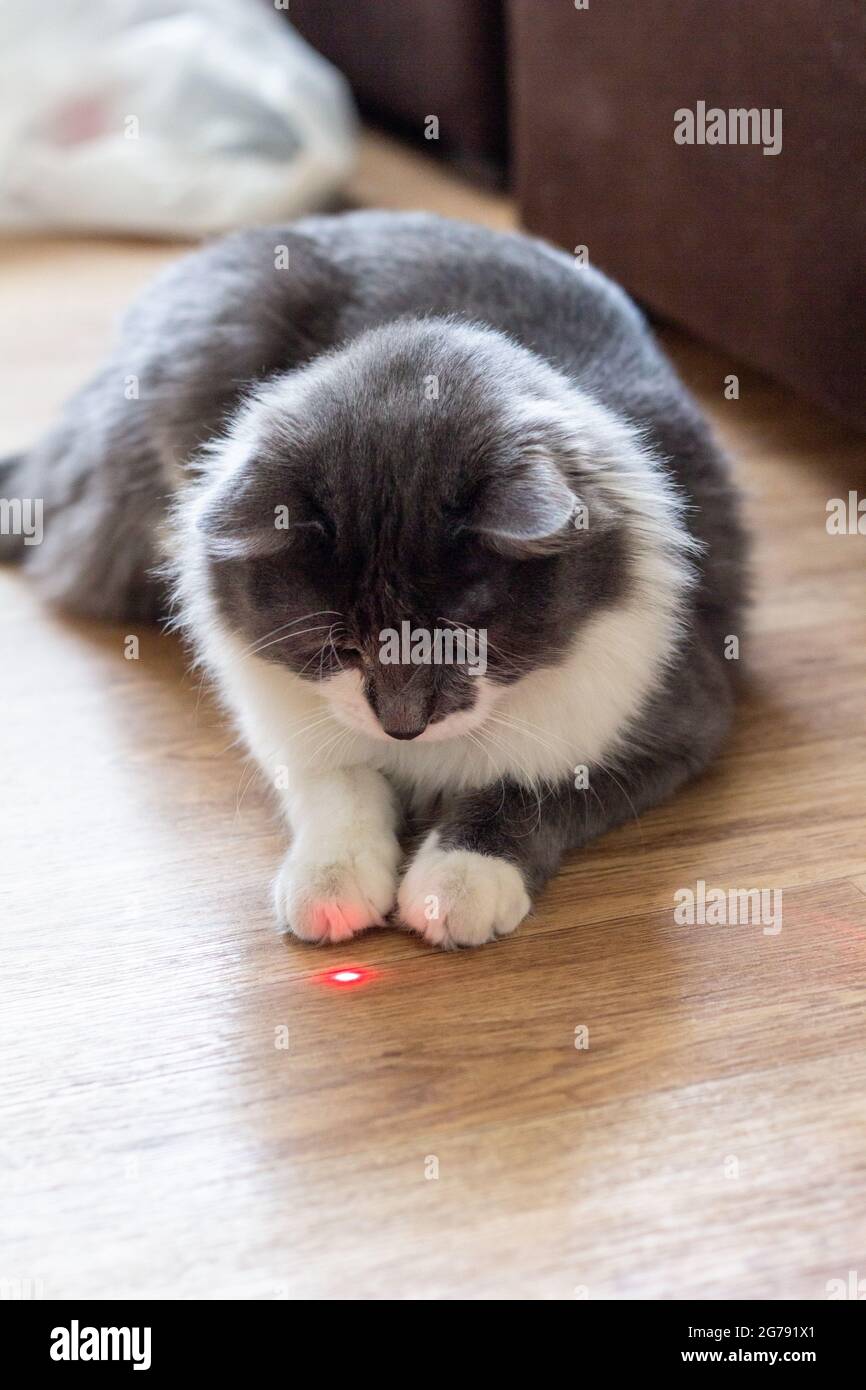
(331, 897)
(454, 897)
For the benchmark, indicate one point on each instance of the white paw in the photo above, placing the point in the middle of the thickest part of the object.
(453, 897)
(329, 897)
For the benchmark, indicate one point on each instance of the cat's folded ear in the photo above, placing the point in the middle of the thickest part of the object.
(550, 489)
(528, 511)
(250, 517)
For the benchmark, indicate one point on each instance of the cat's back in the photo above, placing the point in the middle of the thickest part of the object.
(417, 263)
(276, 296)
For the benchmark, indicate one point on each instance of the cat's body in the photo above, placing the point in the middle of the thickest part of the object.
(454, 429)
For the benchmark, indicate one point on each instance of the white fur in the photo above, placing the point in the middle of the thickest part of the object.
(453, 897)
(325, 743)
(340, 875)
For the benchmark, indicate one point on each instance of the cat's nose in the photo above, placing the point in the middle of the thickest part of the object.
(401, 699)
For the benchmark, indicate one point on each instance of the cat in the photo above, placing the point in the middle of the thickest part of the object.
(379, 425)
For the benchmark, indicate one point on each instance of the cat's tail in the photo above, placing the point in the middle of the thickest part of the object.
(12, 532)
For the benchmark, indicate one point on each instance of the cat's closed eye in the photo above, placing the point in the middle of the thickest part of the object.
(316, 526)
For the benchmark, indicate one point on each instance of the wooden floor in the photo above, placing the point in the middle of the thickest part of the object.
(156, 1136)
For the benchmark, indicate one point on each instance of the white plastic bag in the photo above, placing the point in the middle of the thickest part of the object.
(164, 117)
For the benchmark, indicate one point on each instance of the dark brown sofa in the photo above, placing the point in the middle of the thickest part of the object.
(761, 254)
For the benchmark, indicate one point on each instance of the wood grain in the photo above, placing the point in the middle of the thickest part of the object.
(156, 1139)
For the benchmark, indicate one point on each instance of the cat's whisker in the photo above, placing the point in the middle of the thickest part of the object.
(477, 738)
(351, 738)
(534, 783)
(317, 654)
(605, 769)
(517, 722)
(256, 769)
(520, 662)
(239, 797)
(334, 647)
(526, 733)
(284, 637)
(330, 744)
(278, 634)
(529, 732)
(510, 756)
(282, 627)
(309, 727)
(523, 726)
(262, 643)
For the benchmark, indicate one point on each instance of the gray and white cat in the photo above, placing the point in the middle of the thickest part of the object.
(384, 423)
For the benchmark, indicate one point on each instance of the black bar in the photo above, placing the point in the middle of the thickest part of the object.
(165, 1338)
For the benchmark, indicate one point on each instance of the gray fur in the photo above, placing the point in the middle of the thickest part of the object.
(382, 483)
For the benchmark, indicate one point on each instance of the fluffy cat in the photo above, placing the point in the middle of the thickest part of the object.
(386, 423)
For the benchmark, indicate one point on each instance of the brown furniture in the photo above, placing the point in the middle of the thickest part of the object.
(410, 59)
(762, 255)
(759, 254)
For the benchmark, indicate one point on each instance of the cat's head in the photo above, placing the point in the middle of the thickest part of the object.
(430, 478)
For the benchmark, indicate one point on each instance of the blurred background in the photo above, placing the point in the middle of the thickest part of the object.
(184, 118)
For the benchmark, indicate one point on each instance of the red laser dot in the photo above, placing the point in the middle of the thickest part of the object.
(346, 976)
